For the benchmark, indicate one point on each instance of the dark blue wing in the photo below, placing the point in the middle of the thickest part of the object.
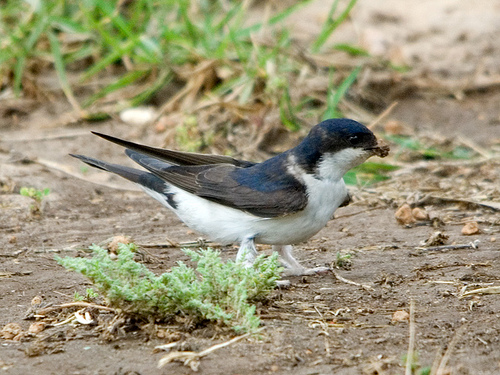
(264, 189)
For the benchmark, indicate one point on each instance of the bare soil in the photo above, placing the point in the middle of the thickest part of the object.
(320, 325)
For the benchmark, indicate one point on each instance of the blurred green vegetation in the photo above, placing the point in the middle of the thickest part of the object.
(206, 47)
(112, 55)
(420, 150)
(368, 173)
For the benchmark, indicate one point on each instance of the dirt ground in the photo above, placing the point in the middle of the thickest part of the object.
(321, 324)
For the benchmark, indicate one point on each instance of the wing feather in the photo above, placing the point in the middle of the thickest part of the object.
(229, 185)
(176, 157)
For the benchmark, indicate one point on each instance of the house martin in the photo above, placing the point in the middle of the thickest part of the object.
(282, 201)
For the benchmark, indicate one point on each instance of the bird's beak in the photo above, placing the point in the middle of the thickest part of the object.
(381, 149)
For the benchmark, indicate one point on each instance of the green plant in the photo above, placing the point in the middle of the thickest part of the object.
(430, 152)
(188, 136)
(36, 195)
(368, 173)
(90, 294)
(415, 366)
(332, 23)
(31, 192)
(215, 291)
(334, 96)
(342, 260)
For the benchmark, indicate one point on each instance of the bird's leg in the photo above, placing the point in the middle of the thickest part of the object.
(285, 253)
(247, 252)
(294, 268)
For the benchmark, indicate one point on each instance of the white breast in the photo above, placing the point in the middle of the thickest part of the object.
(228, 225)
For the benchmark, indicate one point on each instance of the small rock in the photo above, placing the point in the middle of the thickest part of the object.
(400, 316)
(37, 327)
(420, 214)
(404, 215)
(116, 241)
(138, 116)
(471, 228)
(11, 331)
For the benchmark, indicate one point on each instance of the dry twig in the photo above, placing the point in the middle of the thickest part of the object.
(470, 245)
(201, 242)
(192, 359)
(411, 341)
(347, 281)
(439, 368)
(379, 118)
(47, 310)
(48, 137)
(487, 290)
(436, 200)
(18, 273)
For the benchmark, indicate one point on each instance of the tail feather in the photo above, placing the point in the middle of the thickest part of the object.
(143, 178)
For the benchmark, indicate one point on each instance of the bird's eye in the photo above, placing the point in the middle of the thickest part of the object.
(354, 140)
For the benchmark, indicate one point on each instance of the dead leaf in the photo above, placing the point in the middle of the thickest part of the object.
(37, 300)
(437, 238)
(12, 331)
(117, 240)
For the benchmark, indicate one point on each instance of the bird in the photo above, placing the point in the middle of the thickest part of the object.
(282, 201)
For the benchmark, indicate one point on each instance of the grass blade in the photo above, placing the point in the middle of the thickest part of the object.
(18, 74)
(335, 96)
(191, 28)
(111, 58)
(351, 50)
(234, 11)
(27, 48)
(330, 25)
(273, 20)
(286, 112)
(122, 82)
(124, 27)
(165, 77)
(369, 173)
(61, 71)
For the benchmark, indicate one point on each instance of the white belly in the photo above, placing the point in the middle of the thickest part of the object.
(228, 225)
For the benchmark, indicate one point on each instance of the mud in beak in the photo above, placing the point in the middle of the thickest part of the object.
(381, 149)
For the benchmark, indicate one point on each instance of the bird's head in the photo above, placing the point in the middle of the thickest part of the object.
(334, 146)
